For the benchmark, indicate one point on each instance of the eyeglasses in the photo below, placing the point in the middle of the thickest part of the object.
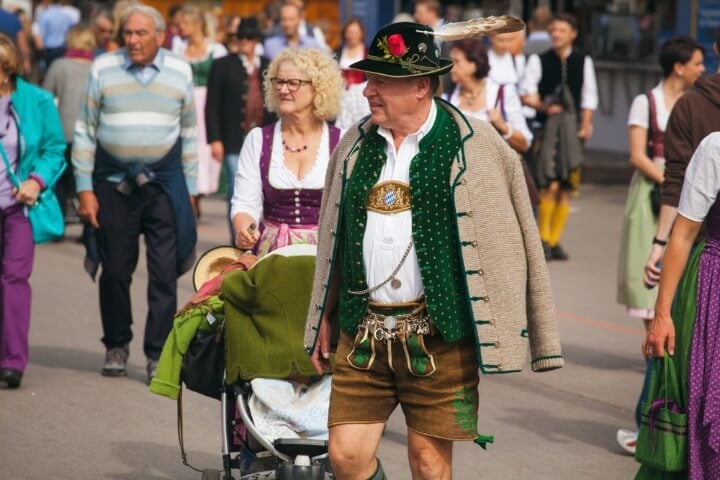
(293, 84)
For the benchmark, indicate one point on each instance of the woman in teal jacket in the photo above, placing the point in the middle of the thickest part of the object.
(32, 137)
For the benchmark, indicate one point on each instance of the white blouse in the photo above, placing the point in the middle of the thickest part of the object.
(511, 102)
(216, 50)
(702, 180)
(248, 195)
(639, 115)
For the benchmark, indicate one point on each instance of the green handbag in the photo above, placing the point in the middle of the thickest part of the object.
(45, 215)
(662, 440)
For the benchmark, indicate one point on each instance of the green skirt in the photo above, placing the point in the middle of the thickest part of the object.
(683, 315)
(639, 224)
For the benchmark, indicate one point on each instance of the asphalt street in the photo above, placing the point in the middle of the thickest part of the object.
(68, 422)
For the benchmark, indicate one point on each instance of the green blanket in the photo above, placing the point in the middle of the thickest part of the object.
(265, 311)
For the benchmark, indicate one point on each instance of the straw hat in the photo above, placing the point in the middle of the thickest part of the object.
(212, 263)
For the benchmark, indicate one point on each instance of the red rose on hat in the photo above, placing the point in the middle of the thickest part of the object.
(396, 45)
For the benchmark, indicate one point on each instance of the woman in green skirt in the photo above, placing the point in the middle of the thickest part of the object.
(648, 117)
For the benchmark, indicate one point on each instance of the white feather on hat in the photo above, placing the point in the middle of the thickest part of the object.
(476, 27)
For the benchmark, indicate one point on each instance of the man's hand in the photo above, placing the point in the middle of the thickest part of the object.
(88, 208)
(217, 150)
(554, 109)
(320, 358)
(28, 192)
(194, 205)
(585, 132)
(652, 269)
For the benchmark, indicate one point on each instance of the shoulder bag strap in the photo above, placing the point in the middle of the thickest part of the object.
(16, 181)
(652, 122)
(500, 100)
(13, 178)
(181, 441)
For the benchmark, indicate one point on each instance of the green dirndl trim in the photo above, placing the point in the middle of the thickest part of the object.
(639, 225)
(683, 315)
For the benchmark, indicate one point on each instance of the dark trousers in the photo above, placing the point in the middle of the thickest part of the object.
(65, 186)
(122, 219)
(49, 55)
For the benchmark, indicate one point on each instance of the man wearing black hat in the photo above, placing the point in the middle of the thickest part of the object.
(235, 100)
(429, 265)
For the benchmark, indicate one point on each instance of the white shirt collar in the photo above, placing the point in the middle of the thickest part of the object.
(420, 133)
(250, 67)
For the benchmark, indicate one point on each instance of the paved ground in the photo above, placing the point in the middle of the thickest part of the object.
(68, 422)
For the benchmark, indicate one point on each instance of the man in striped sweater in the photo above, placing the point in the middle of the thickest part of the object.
(135, 159)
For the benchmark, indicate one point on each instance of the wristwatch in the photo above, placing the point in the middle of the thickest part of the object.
(657, 241)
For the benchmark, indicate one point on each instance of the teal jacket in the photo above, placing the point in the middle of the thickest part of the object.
(41, 139)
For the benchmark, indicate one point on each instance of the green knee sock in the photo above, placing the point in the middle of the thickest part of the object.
(379, 473)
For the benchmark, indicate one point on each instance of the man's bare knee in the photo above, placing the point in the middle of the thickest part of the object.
(427, 464)
(350, 457)
(349, 463)
(430, 458)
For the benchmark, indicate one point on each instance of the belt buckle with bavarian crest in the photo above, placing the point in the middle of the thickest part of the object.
(389, 197)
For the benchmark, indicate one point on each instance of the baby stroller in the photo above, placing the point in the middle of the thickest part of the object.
(270, 299)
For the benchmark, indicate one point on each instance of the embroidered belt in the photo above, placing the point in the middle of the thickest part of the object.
(392, 327)
(409, 329)
(389, 197)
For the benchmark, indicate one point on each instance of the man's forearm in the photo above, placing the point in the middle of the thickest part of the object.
(586, 118)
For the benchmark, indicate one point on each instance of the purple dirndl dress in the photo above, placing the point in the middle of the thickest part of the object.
(290, 215)
(704, 368)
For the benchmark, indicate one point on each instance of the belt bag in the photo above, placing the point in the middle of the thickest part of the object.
(45, 215)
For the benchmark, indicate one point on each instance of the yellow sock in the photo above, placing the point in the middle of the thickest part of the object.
(557, 225)
(545, 216)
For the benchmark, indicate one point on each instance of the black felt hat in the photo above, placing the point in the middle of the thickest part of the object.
(249, 28)
(404, 49)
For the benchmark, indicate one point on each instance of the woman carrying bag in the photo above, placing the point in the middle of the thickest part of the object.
(33, 146)
(699, 204)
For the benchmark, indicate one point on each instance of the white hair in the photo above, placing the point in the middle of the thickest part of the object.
(146, 10)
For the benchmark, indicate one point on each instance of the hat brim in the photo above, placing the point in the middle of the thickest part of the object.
(395, 70)
(212, 262)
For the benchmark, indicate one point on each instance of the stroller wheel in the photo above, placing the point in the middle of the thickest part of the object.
(211, 474)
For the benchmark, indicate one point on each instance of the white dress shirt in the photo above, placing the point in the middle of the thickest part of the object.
(248, 195)
(387, 235)
(588, 93)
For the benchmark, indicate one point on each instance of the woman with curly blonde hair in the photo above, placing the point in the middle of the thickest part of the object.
(281, 170)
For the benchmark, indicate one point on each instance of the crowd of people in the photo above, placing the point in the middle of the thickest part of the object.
(140, 116)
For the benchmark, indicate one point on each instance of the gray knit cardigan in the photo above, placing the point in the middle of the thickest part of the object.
(510, 297)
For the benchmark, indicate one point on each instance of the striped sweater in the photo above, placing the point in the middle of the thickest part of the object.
(136, 121)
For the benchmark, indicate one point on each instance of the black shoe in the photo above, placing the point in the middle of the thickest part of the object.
(558, 253)
(547, 251)
(11, 377)
(116, 362)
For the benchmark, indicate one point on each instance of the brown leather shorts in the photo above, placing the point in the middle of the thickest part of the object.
(441, 404)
